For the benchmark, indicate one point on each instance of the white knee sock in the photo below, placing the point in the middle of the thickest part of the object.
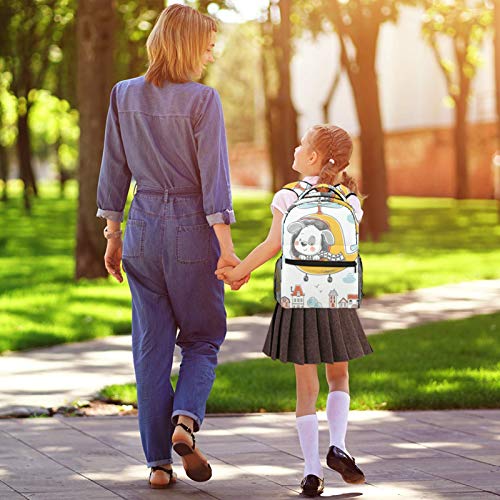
(307, 428)
(337, 413)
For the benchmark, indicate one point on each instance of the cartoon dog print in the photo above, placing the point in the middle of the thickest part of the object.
(311, 239)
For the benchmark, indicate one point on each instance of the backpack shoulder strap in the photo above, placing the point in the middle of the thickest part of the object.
(347, 192)
(298, 187)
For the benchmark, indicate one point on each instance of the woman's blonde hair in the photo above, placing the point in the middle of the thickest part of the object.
(177, 43)
(334, 147)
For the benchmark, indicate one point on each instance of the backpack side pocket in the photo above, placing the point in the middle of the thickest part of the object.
(360, 280)
(277, 280)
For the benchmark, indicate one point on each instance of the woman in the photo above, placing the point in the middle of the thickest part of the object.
(167, 131)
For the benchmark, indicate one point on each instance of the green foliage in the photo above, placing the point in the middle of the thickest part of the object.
(237, 51)
(352, 16)
(432, 242)
(136, 18)
(210, 6)
(443, 365)
(40, 303)
(135, 21)
(53, 123)
(34, 45)
(464, 24)
(8, 110)
(30, 43)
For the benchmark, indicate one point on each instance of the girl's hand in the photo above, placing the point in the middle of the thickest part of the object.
(229, 260)
(236, 285)
(227, 274)
(113, 258)
(230, 276)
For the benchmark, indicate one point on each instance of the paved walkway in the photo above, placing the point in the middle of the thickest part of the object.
(410, 455)
(58, 375)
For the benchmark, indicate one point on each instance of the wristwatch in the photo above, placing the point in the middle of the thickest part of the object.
(110, 235)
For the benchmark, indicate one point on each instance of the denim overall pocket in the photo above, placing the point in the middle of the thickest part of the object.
(193, 243)
(133, 243)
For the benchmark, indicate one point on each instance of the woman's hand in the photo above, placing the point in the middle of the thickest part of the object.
(231, 260)
(113, 258)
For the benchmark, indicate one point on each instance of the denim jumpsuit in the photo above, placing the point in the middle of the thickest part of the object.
(172, 141)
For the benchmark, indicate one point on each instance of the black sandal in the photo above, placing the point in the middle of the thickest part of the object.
(182, 446)
(193, 461)
(171, 474)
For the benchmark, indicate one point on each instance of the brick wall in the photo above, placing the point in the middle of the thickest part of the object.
(420, 162)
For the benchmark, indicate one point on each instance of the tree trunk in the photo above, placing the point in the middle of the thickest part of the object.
(460, 132)
(4, 172)
(331, 92)
(373, 171)
(24, 157)
(363, 34)
(364, 84)
(95, 31)
(496, 31)
(269, 105)
(460, 140)
(62, 173)
(284, 115)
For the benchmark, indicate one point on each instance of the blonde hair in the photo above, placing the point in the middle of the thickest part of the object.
(334, 147)
(176, 44)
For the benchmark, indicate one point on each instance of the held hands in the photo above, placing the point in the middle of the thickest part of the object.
(113, 258)
(229, 276)
(225, 271)
(225, 265)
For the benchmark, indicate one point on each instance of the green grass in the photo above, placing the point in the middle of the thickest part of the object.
(40, 303)
(448, 364)
(432, 242)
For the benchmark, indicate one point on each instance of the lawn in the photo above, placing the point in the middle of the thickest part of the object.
(448, 364)
(432, 242)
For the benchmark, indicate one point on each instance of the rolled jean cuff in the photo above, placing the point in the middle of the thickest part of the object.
(225, 217)
(185, 413)
(160, 462)
(110, 214)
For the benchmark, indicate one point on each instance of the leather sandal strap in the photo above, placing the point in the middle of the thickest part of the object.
(170, 472)
(189, 431)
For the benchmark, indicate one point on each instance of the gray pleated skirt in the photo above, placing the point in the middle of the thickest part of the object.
(313, 336)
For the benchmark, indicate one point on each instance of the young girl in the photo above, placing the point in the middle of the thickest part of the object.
(307, 337)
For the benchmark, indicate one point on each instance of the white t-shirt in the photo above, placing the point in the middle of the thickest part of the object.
(284, 198)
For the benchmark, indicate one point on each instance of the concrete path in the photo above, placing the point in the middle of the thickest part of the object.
(58, 375)
(410, 455)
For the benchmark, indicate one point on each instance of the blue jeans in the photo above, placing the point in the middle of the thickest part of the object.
(170, 255)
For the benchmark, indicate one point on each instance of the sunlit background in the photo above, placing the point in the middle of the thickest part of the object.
(413, 81)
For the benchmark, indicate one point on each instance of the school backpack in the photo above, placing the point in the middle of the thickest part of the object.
(320, 266)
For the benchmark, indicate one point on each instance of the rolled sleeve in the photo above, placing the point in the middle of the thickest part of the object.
(115, 175)
(213, 162)
(226, 217)
(110, 214)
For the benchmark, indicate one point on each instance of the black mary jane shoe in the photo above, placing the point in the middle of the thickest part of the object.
(345, 465)
(312, 486)
(161, 486)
